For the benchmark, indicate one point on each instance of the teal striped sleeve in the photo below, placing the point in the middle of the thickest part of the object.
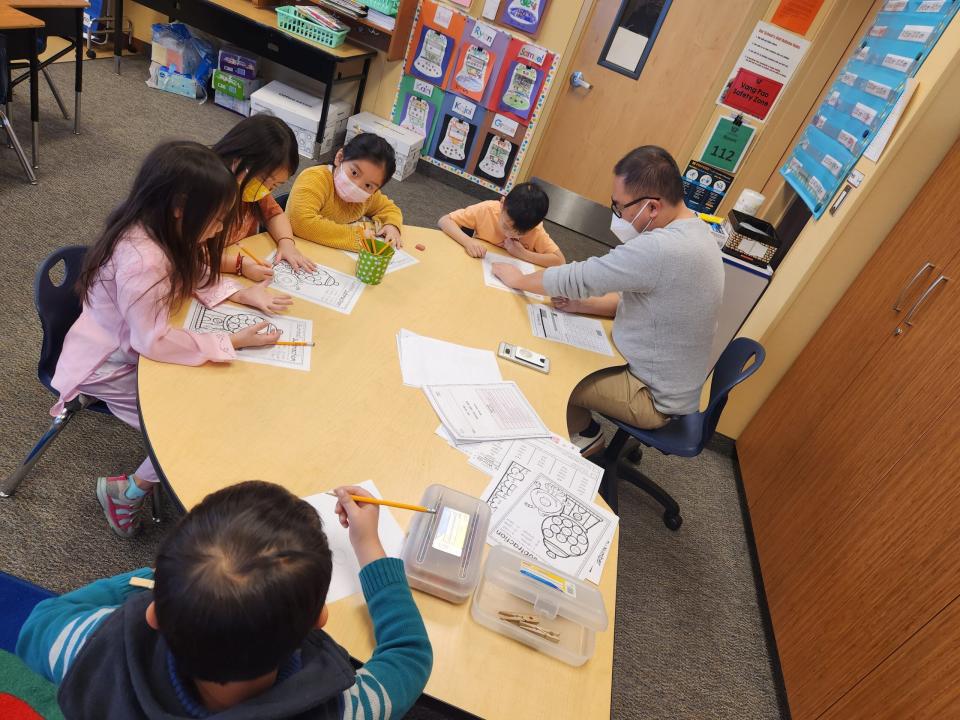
(57, 628)
(392, 679)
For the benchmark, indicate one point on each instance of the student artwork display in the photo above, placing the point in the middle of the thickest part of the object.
(433, 43)
(457, 129)
(862, 96)
(522, 80)
(417, 107)
(497, 147)
(524, 15)
(482, 49)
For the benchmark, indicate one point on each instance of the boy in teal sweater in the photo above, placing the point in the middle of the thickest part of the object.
(233, 624)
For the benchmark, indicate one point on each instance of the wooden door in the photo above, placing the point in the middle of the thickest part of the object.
(590, 130)
(918, 681)
(860, 324)
(892, 564)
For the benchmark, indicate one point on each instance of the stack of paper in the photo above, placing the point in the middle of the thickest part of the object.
(478, 413)
(428, 361)
(581, 332)
(387, 22)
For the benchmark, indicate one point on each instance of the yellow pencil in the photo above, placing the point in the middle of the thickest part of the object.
(388, 503)
(257, 260)
(294, 343)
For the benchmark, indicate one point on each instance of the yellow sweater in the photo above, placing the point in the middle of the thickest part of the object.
(317, 213)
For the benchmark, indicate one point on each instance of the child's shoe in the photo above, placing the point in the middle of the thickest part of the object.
(122, 502)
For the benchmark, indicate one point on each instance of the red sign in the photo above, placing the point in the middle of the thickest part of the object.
(753, 94)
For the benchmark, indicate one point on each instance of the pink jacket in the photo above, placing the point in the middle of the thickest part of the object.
(125, 317)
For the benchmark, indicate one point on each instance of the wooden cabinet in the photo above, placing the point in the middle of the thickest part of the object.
(851, 466)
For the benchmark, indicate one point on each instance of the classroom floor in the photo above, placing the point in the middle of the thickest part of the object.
(689, 639)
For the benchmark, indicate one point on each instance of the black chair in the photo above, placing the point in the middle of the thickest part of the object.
(685, 436)
(4, 120)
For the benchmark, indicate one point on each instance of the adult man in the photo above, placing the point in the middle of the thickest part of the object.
(663, 286)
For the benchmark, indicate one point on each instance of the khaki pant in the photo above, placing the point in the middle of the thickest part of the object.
(614, 392)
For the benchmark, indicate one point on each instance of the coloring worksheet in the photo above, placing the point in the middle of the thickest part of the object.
(542, 456)
(550, 523)
(576, 330)
(491, 280)
(399, 261)
(324, 286)
(230, 318)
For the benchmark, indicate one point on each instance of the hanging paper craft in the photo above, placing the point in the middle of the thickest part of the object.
(457, 129)
(521, 82)
(417, 107)
(436, 34)
(498, 144)
(524, 15)
(482, 48)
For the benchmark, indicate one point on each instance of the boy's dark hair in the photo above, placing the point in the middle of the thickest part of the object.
(240, 581)
(650, 170)
(177, 175)
(527, 205)
(372, 147)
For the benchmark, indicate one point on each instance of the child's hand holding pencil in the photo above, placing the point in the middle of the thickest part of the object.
(362, 519)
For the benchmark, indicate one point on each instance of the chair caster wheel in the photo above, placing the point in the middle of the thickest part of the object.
(91, 54)
(635, 455)
(673, 522)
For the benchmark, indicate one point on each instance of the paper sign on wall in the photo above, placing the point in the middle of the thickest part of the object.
(796, 15)
(752, 93)
(727, 145)
(504, 125)
(704, 187)
(443, 16)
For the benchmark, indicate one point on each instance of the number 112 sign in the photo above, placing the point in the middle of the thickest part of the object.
(728, 144)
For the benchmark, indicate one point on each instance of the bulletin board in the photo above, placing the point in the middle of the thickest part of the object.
(476, 91)
(863, 94)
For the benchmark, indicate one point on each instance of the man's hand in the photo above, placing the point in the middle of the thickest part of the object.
(509, 275)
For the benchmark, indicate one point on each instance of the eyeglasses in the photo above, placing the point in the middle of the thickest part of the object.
(618, 211)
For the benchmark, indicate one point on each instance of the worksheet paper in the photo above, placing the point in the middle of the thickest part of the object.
(346, 570)
(542, 456)
(231, 318)
(428, 361)
(324, 286)
(576, 330)
(399, 261)
(497, 448)
(492, 411)
(491, 280)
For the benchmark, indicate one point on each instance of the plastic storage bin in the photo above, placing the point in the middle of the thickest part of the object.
(563, 605)
(290, 20)
(443, 553)
(387, 7)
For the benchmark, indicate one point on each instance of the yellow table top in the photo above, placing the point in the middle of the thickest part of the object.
(351, 419)
(11, 17)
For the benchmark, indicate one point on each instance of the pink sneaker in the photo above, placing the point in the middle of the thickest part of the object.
(122, 513)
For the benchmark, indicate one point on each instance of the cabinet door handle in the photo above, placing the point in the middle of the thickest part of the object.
(906, 288)
(919, 302)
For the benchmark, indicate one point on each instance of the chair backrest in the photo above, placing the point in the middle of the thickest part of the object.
(57, 305)
(282, 200)
(4, 70)
(731, 370)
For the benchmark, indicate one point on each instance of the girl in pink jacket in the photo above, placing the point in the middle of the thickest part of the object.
(161, 246)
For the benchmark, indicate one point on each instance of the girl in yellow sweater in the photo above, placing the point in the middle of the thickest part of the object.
(329, 203)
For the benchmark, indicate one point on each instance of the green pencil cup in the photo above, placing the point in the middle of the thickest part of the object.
(371, 267)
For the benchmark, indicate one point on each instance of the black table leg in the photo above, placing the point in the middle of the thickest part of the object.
(35, 95)
(327, 93)
(117, 33)
(362, 86)
(78, 81)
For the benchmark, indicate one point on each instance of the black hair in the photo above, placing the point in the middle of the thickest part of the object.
(650, 170)
(241, 581)
(527, 205)
(176, 175)
(372, 147)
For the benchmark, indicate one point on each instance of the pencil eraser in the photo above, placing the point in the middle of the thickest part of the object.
(421, 247)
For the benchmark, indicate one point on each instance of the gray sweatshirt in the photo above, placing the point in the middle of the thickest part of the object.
(671, 285)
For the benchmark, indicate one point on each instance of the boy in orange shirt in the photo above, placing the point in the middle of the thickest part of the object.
(515, 223)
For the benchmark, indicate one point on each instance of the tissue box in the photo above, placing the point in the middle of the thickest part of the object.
(230, 103)
(239, 63)
(169, 80)
(406, 144)
(236, 87)
(301, 111)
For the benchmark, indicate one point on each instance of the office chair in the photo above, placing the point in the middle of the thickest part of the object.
(685, 435)
(4, 119)
(58, 307)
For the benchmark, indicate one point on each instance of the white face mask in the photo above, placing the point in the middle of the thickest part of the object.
(624, 229)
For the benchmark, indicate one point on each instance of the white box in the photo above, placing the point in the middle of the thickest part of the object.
(238, 106)
(406, 144)
(301, 111)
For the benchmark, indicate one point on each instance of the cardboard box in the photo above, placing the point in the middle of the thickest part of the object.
(237, 106)
(236, 87)
(301, 111)
(406, 144)
(238, 62)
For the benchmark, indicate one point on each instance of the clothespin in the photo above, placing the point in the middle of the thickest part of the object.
(738, 120)
(550, 635)
(137, 581)
(518, 617)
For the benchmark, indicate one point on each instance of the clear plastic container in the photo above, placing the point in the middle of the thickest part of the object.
(571, 609)
(443, 552)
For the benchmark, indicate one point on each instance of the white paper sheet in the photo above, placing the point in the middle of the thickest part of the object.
(346, 570)
(324, 286)
(428, 361)
(399, 261)
(491, 280)
(880, 140)
(581, 332)
(231, 318)
(492, 411)
(541, 456)
(552, 524)
(496, 448)
(595, 572)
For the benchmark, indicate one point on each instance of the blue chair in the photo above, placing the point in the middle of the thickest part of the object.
(4, 120)
(58, 306)
(17, 598)
(685, 435)
(282, 200)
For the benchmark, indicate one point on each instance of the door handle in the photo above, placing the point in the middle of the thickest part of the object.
(578, 81)
(920, 300)
(906, 288)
